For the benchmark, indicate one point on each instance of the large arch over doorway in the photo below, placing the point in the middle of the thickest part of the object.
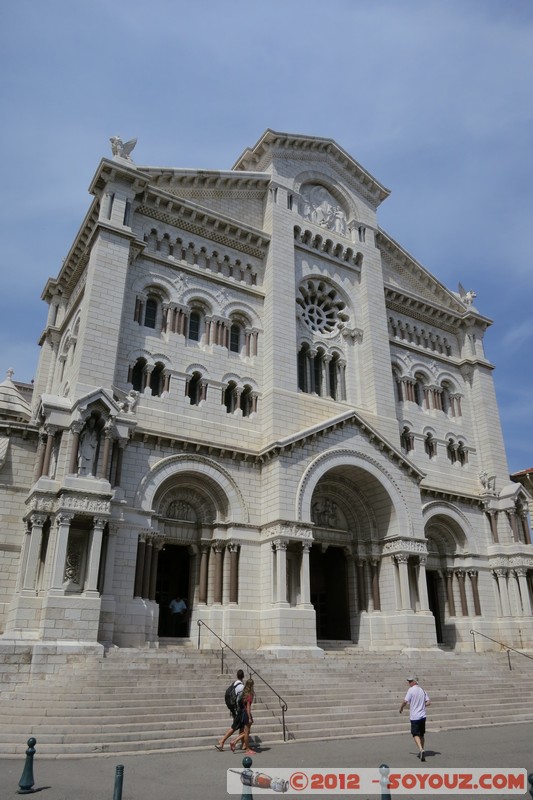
(452, 591)
(353, 509)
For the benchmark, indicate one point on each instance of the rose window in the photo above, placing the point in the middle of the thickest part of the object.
(320, 307)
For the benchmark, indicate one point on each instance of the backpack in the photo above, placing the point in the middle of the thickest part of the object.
(230, 697)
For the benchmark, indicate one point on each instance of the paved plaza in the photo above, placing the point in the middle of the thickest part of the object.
(202, 773)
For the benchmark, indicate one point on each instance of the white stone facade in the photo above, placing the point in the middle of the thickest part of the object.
(250, 395)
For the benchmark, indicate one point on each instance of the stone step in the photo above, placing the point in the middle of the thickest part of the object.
(136, 701)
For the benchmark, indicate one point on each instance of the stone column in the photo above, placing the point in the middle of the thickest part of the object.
(525, 528)
(460, 574)
(91, 584)
(157, 544)
(449, 593)
(75, 429)
(109, 569)
(493, 520)
(305, 579)
(58, 570)
(352, 580)
(139, 565)
(521, 576)
(402, 559)
(102, 472)
(41, 450)
(202, 588)
(147, 566)
(422, 584)
(374, 578)
(218, 548)
(120, 456)
(473, 575)
(37, 522)
(361, 589)
(50, 432)
(501, 577)
(233, 550)
(281, 571)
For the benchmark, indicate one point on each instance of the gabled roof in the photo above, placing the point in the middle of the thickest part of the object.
(409, 285)
(256, 157)
(12, 404)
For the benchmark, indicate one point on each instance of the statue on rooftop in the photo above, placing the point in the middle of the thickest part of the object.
(122, 149)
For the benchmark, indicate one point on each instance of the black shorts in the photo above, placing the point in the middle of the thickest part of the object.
(237, 723)
(418, 727)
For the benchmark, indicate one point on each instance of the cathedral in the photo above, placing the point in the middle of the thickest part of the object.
(249, 396)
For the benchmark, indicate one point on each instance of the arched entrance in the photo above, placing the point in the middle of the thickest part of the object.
(173, 579)
(352, 512)
(329, 592)
(447, 586)
(435, 602)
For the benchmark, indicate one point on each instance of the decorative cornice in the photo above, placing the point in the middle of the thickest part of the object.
(422, 310)
(285, 446)
(203, 222)
(451, 309)
(451, 496)
(324, 245)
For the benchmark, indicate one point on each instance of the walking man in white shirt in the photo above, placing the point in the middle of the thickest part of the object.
(417, 700)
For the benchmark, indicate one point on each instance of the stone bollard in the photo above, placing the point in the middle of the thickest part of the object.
(119, 779)
(247, 775)
(26, 779)
(384, 781)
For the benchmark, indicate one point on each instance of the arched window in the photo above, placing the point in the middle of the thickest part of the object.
(420, 390)
(397, 384)
(137, 377)
(462, 454)
(451, 450)
(407, 440)
(150, 313)
(318, 371)
(445, 398)
(247, 401)
(157, 380)
(230, 397)
(303, 368)
(235, 338)
(194, 326)
(334, 383)
(194, 390)
(430, 445)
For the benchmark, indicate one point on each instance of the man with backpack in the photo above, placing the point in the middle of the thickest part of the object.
(232, 698)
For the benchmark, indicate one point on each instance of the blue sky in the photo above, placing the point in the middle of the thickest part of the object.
(435, 99)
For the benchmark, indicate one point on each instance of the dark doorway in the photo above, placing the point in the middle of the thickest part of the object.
(329, 593)
(434, 604)
(172, 580)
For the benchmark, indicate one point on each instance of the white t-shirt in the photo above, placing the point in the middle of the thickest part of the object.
(239, 688)
(417, 699)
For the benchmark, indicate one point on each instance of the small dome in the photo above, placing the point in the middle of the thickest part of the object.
(12, 404)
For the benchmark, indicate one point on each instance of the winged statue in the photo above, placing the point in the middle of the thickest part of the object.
(467, 297)
(122, 149)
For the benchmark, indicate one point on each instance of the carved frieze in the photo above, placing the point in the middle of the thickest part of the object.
(86, 504)
(405, 546)
(287, 531)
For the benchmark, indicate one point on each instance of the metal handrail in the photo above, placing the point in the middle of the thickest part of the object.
(507, 647)
(282, 703)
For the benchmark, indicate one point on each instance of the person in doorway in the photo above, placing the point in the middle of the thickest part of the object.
(247, 720)
(236, 724)
(178, 609)
(417, 700)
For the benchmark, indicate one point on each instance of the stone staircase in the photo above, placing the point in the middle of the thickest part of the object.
(172, 698)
